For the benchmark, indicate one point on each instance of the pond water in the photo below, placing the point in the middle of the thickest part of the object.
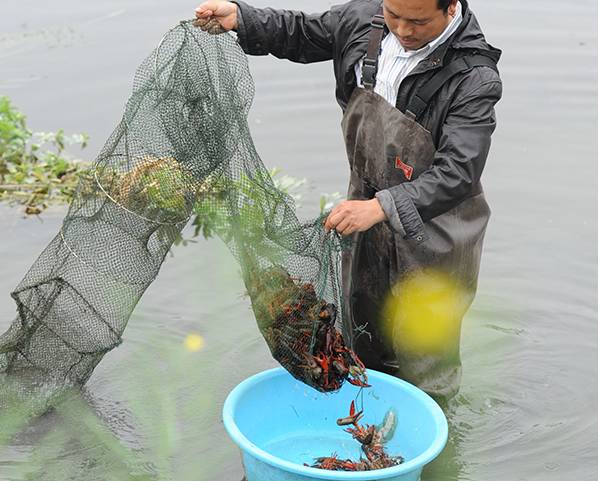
(527, 409)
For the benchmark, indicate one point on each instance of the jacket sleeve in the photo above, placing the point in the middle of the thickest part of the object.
(288, 34)
(457, 166)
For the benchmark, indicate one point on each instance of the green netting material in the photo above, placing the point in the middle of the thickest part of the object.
(183, 146)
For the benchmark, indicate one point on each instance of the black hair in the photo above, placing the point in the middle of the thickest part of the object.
(444, 4)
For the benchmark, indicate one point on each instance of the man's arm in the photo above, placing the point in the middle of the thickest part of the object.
(457, 166)
(293, 35)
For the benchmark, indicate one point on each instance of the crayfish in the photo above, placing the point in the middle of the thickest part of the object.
(371, 440)
(331, 361)
(299, 328)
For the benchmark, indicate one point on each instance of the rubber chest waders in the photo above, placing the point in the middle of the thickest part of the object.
(386, 147)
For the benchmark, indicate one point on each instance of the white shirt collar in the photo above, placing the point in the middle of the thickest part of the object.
(449, 30)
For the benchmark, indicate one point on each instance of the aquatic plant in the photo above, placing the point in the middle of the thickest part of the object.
(36, 171)
(34, 167)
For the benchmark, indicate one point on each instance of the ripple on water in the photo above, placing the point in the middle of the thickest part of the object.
(527, 407)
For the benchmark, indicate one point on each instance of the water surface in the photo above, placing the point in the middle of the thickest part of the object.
(527, 410)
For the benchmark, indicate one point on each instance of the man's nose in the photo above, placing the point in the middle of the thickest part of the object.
(404, 29)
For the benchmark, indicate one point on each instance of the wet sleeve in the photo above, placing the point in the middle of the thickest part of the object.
(457, 166)
(293, 35)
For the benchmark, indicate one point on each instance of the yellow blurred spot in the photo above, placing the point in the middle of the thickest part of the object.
(423, 313)
(194, 342)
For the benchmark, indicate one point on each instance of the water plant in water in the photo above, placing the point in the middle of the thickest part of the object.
(36, 171)
(34, 168)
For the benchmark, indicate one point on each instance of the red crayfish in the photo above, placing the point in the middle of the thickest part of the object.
(371, 440)
(299, 328)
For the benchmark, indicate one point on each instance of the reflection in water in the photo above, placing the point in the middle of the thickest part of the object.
(451, 464)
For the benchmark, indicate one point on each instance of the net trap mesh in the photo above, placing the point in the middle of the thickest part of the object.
(183, 147)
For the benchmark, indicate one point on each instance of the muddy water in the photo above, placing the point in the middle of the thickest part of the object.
(527, 407)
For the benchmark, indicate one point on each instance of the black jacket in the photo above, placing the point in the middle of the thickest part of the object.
(460, 117)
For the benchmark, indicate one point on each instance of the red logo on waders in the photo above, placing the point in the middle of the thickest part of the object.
(407, 169)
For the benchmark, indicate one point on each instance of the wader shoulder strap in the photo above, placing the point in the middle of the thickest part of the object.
(420, 100)
(369, 66)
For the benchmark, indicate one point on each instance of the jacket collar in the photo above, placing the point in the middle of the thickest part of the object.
(468, 36)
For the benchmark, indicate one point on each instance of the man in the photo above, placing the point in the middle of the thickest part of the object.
(417, 83)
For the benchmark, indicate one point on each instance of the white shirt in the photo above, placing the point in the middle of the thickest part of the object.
(395, 63)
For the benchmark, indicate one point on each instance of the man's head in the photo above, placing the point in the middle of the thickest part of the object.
(418, 22)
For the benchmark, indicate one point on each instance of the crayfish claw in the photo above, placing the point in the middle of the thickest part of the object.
(358, 382)
(358, 376)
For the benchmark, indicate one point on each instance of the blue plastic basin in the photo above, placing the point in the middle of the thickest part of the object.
(280, 424)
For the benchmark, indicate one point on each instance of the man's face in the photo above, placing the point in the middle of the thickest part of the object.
(416, 22)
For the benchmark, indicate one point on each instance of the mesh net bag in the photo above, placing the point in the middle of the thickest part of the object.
(183, 147)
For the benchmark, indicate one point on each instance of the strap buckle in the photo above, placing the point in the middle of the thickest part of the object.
(369, 71)
(378, 21)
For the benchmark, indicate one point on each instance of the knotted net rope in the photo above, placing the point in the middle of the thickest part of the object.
(182, 147)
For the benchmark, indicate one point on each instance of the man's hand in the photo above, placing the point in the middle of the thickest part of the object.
(355, 216)
(216, 16)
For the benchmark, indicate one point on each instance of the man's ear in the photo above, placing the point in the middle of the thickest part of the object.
(452, 8)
